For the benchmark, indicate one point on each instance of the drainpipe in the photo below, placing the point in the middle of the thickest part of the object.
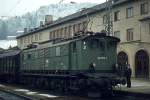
(140, 31)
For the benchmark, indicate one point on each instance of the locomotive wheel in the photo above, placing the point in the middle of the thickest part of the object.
(65, 86)
(45, 84)
(59, 85)
(38, 83)
(52, 85)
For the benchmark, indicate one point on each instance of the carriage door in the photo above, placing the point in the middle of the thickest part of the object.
(142, 64)
(73, 59)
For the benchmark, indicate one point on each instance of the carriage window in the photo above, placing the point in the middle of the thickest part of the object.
(74, 47)
(29, 56)
(57, 51)
(23, 57)
(36, 54)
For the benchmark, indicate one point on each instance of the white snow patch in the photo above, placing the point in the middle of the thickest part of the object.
(48, 95)
(21, 90)
(31, 93)
(2, 85)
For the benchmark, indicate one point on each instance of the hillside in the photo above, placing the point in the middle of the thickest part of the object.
(32, 19)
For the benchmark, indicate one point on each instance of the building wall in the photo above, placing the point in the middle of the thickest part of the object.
(64, 30)
(141, 30)
(124, 23)
(131, 49)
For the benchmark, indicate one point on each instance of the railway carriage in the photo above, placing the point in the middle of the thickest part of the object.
(10, 66)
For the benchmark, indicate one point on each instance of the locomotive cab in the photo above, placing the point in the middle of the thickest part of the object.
(101, 51)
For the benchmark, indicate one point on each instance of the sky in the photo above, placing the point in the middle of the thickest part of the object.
(18, 7)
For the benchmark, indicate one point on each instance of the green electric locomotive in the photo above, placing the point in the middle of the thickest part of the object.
(84, 62)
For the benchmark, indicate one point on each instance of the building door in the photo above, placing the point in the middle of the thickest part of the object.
(122, 60)
(142, 64)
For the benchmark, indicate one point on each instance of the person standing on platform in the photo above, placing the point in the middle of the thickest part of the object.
(128, 74)
(92, 67)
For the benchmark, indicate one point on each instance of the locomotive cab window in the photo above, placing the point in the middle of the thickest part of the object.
(96, 43)
(102, 45)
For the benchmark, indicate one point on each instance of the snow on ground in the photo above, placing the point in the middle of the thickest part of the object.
(5, 44)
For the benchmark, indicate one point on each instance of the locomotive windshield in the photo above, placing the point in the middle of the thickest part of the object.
(96, 43)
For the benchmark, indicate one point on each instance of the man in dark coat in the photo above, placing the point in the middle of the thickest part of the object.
(128, 76)
(92, 67)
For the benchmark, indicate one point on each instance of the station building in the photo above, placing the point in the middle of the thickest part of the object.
(131, 23)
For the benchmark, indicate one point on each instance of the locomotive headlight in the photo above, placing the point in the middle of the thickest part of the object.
(94, 64)
(46, 60)
(84, 43)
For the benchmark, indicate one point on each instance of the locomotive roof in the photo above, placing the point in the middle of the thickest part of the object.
(66, 41)
(10, 53)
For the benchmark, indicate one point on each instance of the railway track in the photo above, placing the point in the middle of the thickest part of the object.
(8, 93)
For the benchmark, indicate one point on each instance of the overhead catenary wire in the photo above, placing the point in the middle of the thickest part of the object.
(18, 2)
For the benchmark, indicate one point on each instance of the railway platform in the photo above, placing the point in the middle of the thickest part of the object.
(138, 87)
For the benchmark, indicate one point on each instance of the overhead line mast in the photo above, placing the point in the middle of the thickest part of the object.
(109, 17)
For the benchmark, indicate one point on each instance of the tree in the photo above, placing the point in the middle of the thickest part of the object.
(3, 30)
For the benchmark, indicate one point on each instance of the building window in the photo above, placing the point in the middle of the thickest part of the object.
(73, 28)
(85, 24)
(69, 31)
(50, 35)
(117, 16)
(65, 32)
(54, 34)
(104, 19)
(28, 39)
(32, 38)
(40, 36)
(129, 12)
(57, 33)
(76, 28)
(21, 41)
(117, 34)
(149, 28)
(25, 41)
(130, 34)
(79, 27)
(72, 33)
(36, 37)
(144, 8)
(61, 32)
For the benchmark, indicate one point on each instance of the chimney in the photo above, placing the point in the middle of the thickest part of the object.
(48, 19)
(41, 23)
(25, 30)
